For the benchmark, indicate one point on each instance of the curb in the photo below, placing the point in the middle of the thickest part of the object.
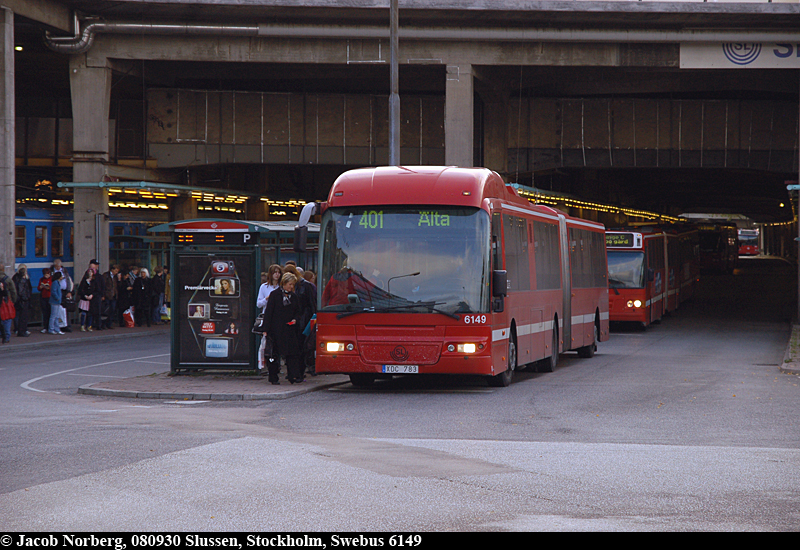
(791, 358)
(90, 389)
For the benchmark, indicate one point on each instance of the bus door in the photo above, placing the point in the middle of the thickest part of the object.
(566, 282)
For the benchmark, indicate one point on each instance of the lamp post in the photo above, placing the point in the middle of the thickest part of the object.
(394, 95)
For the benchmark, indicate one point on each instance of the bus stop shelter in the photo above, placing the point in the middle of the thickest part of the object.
(216, 267)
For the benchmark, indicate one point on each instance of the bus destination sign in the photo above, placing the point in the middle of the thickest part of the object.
(622, 240)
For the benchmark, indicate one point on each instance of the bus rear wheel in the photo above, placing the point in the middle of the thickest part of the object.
(549, 364)
(587, 352)
(503, 379)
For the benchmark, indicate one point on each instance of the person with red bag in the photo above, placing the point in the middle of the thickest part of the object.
(44, 297)
(8, 295)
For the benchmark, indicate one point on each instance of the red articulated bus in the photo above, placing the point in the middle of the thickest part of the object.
(685, 256)
(651, 271)
(429, 270)
(682, 264)
(748, 242)
(637, 278)
(719, 247)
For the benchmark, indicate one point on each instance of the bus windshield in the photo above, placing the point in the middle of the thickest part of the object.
(405, 260)
(711, 242)
(748, 239)
(625, 269)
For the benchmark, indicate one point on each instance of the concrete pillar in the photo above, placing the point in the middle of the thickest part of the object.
(183, 208)
(7, 142)
(257, 210)
(91, 96)
(495, 139)
(459, 116)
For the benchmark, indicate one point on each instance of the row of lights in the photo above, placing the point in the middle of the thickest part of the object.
(543, 198)
(118, 197)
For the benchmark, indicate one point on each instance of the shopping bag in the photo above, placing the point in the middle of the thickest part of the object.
(127, 315)
(165, 313)
(62, 316)
(7, 310)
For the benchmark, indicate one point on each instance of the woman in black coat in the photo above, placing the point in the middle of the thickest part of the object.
(143, 297)
(281, 314)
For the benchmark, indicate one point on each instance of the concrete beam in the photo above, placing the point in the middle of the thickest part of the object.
(48, 12)
(329, 51)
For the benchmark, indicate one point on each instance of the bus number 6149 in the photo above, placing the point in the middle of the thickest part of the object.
(475, 319)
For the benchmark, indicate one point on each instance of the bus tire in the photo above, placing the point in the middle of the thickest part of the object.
(503, 379)
(362, 380)
(549, 364)
(587, 352)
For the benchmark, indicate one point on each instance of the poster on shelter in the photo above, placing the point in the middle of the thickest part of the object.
(213, 299)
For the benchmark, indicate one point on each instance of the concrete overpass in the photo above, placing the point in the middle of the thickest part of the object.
(633, 103)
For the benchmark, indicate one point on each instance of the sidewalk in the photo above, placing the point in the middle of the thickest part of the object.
(37, 339)
(199, 386)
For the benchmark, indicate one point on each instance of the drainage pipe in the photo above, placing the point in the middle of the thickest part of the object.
(84, 39)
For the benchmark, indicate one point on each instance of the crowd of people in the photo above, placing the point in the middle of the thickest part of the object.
(287, 298)
(98, 300)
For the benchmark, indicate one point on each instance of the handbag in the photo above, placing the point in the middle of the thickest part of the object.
(260, 326)
(69, 304)
(7, 309)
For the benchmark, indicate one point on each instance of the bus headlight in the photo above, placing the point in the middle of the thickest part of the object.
(634, 303)
(462, 348)
(333, 347)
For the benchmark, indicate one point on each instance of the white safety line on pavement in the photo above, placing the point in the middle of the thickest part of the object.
(27, 385)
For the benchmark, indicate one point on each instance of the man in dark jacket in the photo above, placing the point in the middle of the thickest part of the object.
(158, 295)
(22, 282)
(110, 296)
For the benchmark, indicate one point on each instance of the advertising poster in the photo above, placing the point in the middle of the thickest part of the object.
(215, 298)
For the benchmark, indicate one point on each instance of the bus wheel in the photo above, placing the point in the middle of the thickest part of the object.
(503, 379)
(549, 364)
(362, 380)
(587, 352)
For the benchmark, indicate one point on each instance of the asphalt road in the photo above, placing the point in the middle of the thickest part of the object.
(686, 426)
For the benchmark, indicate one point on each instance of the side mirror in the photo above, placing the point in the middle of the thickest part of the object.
(300, 238)
(499, 283)
(651, 274)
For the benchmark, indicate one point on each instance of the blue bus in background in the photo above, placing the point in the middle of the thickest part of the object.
(41, 235)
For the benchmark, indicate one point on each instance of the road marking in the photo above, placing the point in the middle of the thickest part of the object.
(27, 385)
(95, 375)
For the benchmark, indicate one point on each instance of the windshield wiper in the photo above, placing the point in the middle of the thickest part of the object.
(387, 309)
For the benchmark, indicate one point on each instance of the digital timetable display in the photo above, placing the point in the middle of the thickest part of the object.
(236, 238)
